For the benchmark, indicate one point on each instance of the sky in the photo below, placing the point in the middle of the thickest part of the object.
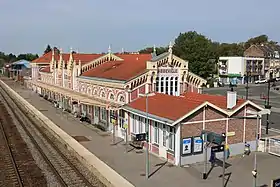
(90, 26)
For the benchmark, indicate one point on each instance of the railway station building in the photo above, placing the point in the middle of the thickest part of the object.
(113, 90)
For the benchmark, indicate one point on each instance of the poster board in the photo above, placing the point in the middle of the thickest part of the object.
(197, 145)
(186, 146)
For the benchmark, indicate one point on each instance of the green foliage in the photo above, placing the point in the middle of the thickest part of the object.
(9, 58)
(198, 50)
(149, 50)
(202, 53)
(256, 40)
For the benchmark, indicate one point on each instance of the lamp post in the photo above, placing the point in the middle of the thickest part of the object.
(267, 106)
(247, 84)
(147, 133)
(256, 115)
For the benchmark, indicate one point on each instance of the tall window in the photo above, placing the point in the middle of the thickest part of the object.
(121, 118)
(163, 135)
(96, 111)
(140, 124)
(171, 86)
(166, 85)
(156, 132)
(171, 139)
(162, 84)
(176, 85)
(112, 113)
(157, 84)
(133, 123)
(103, 114)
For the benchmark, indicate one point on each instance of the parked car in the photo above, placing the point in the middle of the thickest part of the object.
(261, 81)
(277, 78)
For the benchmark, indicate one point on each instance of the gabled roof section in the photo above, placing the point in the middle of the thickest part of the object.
(160, 105)
(129, 67)
(219, 101)
(46, 58)
(159, 57)
(85, 58)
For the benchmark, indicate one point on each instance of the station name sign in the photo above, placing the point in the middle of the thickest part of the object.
(167, 70)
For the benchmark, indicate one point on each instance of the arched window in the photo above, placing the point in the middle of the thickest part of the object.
(95, 92)
(157, 84)
(166, 85)
(176, 85)
(122, 100)
(112, 97)
(162, 84)
(103, 94)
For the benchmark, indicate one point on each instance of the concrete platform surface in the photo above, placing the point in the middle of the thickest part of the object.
(131, 165)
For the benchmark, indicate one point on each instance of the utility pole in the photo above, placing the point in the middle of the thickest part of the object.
(247, 84)
(267, 106)
(147, 140)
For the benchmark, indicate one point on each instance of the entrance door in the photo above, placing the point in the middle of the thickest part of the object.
(162, 141)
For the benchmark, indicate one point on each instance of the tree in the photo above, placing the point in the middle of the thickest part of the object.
(149, 50)
(48, 49)
(256, 40)
(197, 49)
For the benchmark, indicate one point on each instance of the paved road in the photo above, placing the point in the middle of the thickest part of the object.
(132, 165)
(255, 91)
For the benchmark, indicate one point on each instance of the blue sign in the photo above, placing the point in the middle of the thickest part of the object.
(187, 146)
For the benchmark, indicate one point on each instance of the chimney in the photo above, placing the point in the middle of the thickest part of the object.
(231, 99)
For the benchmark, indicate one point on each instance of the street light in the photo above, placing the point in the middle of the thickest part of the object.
(147, 133)
(257, 115)
(248, 73)
(267, 106)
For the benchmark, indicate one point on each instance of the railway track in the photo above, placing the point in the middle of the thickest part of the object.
(11, 169)
(63, 167)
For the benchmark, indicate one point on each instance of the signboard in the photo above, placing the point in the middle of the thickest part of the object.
(217, 149)
(197, 145)
(275, 183)
(231, 134)
(187, 146)
(169, 70)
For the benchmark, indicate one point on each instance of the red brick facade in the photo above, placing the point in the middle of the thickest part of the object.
(219, 125)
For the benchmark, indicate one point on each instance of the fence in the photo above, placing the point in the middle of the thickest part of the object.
(270, 145)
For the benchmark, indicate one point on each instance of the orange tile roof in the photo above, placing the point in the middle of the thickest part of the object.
(175, 107)
(218, 100)
(46, 58)
(165, 106)
(131, 66)
(84, 58)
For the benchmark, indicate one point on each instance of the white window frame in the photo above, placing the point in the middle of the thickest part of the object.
(96, 111)
(103, 116)
(164, 131)
(133, 117)
(156, 132)
(171, 138)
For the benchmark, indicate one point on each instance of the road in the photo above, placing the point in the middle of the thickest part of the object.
(255, 91)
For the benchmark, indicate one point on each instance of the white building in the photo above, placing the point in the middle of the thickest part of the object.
(234, 69)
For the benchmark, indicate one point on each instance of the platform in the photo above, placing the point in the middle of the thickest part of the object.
(131, 165)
